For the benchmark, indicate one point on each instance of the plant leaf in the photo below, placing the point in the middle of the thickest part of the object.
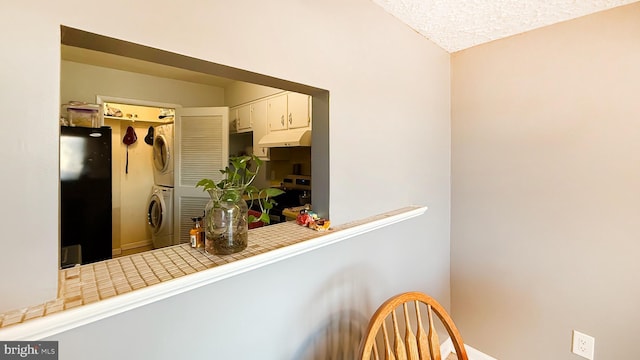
(257, 160)
(264, 217)
(231, 195)
(271, 192)
(251, 190)
(206, 184)
(268, 205)
(237, 163)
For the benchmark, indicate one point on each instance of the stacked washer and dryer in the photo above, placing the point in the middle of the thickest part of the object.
(160, 209)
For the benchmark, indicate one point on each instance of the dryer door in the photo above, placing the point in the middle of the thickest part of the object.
(161, 155)
(156, 214)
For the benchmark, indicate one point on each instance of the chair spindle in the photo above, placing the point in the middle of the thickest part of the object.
(423, 344)
(434, 343)
(409, 336)
(399, 349)
(387, 346)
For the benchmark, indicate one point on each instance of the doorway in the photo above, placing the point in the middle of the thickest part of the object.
(132, 167)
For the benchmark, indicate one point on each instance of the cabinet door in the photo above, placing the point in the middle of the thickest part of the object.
(277, 113)
(298, 110)
(243, 122)
(233, 120)
(259, 120)
(201, 150)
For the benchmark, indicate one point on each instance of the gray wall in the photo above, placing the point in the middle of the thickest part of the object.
(306, 307)
(389, 147)
(545, 194)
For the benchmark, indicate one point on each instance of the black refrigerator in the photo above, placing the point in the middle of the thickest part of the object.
(85, 195)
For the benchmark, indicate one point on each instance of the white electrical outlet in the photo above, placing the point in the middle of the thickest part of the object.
(583, 345)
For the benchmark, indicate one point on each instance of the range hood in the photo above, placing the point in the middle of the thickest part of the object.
(286, 138)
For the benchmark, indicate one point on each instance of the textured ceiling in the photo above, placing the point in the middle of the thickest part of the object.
(460, 24)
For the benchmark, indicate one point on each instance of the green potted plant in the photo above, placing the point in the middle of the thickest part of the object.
(226, 215)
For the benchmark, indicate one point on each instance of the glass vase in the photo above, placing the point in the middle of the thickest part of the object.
(226, 222)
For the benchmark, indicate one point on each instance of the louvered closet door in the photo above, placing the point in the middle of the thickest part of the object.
(201, 151)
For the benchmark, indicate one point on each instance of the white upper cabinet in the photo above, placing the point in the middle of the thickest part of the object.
(259, 120)
(298, 107)
(240, 118)
(244, 118)
(277, 113)
(288, 111)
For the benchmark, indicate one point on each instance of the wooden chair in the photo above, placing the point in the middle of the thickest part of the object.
(421, 345)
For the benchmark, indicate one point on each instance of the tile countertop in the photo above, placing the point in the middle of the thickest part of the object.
(105, 280)
(86, 284)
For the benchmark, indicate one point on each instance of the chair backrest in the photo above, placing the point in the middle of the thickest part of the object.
(400, 342)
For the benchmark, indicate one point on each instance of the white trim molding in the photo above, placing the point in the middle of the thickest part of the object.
(446, 348)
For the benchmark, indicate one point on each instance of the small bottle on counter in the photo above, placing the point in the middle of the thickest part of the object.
(195, 234)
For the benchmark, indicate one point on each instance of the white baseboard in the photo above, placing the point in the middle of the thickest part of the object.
(136, 244)
(447, 348)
